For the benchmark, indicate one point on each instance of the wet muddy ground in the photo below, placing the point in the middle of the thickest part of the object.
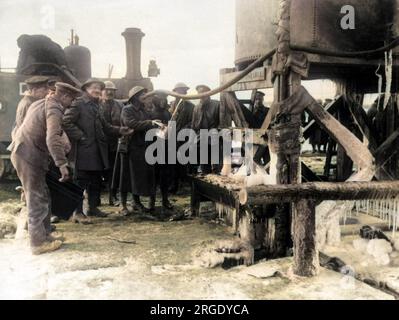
(135, 258)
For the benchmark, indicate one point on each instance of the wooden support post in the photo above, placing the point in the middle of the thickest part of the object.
(294, 84)
(283, 213)
(306, 256)
(298, 215)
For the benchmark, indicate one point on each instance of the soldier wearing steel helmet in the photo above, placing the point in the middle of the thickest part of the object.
(142, 174)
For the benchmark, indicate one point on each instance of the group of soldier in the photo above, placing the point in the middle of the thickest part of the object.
(86, 134)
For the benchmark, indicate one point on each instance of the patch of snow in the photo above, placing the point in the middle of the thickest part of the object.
(360, 245)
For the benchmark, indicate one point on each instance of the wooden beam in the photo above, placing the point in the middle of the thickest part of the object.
(331, 108)
(354, 148)
(387, 144)
(227, 191)
(308, 175)
(322, 191)
(360, 117)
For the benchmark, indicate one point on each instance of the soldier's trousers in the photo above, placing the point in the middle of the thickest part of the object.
(90, 181)
(33, 181)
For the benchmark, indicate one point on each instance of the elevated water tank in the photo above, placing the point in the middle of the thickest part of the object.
(322, 24)
(79, 60)
(315, 24)
(256, 24)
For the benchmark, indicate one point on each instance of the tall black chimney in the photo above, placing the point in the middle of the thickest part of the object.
(133, 38)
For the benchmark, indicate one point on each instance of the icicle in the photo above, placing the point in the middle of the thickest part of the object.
(383, 210)
(377, 213)
(395, 219)
(396, 215)
(393, 214)
(388, 77)
(387, 209)
(350, 209)
(343, 216)
(379, 85)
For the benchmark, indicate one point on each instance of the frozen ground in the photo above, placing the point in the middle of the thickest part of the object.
(92, 264)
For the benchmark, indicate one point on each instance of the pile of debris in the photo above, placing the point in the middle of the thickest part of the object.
(376, 244)
(224, 253)
(9, 212)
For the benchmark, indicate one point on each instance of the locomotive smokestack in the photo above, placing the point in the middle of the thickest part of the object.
(133, 38)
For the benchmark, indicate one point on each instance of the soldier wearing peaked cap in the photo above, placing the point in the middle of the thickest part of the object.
(37, 89)
(262, 155)
(39, 138)
(37, 80)
(260, 110)
(111, 110)
(51, 85)
(206, 116)
(67, 89)
(182, 114)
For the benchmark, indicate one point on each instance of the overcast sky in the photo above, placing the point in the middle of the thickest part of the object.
(190, 39)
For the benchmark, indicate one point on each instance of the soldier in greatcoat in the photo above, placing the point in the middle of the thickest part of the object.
(87, 129)
(111, 110)
(136, 117)
(206, 117)
(183, 117)
(163, 171)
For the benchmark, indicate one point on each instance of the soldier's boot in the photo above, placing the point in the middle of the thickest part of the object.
(94, 195)
(137, 205)
(46, 247)
(124, 211)
(55, 219)
(174, 188)
(79, 217)
(166, 203)
(151, 208)
(55, 236)
(95, 212)
(166, 206)
(111, 199)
